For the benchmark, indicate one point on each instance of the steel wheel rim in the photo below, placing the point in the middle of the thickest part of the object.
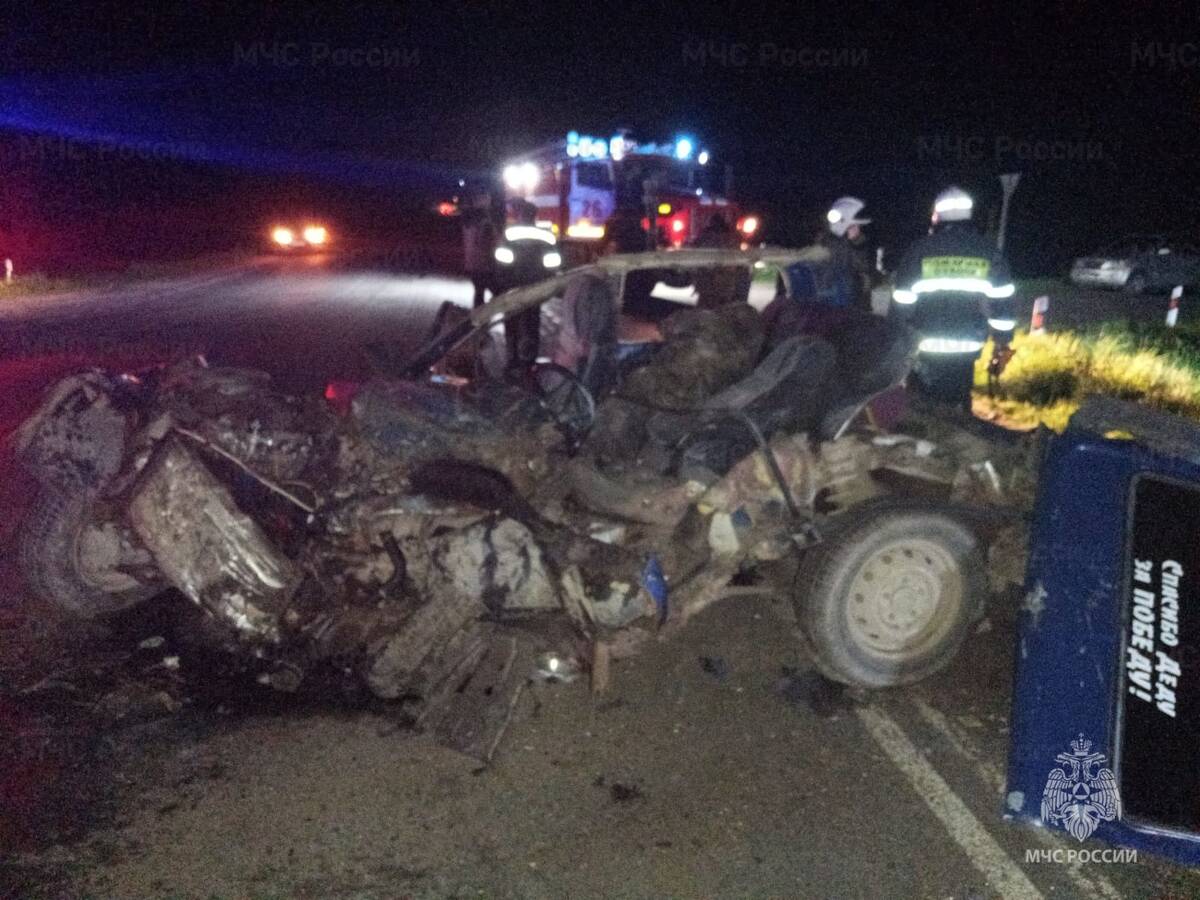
(904, 597)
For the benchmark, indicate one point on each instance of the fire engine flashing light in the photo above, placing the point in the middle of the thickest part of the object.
(664, 209)
(677, 225)
(683, 148)
(703, 158)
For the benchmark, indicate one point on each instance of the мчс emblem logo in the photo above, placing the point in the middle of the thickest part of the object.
(1082, 794)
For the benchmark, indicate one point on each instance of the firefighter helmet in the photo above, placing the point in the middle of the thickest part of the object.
(844, 213)
(952, 205)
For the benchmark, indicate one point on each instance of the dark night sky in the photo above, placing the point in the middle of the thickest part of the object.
(886, 101)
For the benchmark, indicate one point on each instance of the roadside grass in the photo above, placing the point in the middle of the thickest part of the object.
(39, 283)
(36, 283)
(1051, 374)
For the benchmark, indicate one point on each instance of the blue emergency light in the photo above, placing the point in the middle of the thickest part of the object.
(586, 146)
(1106, 702)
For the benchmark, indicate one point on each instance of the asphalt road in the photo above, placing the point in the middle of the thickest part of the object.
(727, 787)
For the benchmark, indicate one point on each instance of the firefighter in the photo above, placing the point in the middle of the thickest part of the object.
(953, 286)
(527, 255)
(625, 231)
(720, 286)
(479, 244)
(846, 280)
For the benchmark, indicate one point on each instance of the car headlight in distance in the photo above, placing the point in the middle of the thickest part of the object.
(504, 256)
(316, 234)
(552, 260)
(283, 236)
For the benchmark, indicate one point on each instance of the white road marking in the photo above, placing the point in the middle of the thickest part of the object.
(1088, 885)
(988, 857)
(989, 773)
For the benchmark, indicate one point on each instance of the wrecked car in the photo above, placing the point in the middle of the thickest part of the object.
(589, 508)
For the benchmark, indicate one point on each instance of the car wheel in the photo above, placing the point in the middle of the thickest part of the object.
(889, 600)
(1136, 283)
(70, 560)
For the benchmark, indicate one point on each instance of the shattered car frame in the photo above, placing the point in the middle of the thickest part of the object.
(440, 520)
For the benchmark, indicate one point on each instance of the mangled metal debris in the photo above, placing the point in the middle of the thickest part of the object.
(445, 542)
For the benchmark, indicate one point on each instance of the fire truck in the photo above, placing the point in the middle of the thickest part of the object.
(580, 182)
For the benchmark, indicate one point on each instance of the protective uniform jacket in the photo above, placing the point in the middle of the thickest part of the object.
(845, 280)
(533, 256)
(527, 255)
(954, 285)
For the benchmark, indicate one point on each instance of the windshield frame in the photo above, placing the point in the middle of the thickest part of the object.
(518, 299)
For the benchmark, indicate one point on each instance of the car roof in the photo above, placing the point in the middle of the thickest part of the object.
(621, 264)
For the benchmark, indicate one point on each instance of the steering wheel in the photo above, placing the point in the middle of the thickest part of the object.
(566, 399)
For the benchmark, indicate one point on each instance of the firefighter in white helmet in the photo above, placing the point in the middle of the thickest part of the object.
(954, 287)
(846, 280)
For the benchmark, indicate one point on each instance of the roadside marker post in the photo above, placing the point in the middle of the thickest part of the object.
(1037, 322)
(8, 271)
(1008, 183)
(1173, 306)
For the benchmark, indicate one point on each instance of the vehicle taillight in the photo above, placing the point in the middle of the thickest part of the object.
(340, 395)
(748, 225)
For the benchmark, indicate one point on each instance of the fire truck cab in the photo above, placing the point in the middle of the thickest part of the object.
(579, 183)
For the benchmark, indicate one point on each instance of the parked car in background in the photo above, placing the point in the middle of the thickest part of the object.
(1138, 264)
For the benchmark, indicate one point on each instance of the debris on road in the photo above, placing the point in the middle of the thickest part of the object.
(625, 793)
(716, 666)
(809, 691)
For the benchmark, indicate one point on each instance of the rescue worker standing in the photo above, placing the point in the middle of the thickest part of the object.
(479, 243)
(953, 286)
(527, 254)
(847, 281)
(717, 287)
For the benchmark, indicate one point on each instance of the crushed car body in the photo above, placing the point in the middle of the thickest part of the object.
(454, 521)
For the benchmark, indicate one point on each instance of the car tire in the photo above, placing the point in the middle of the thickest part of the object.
(1136, 283)
(51, 535)
(890, 597)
